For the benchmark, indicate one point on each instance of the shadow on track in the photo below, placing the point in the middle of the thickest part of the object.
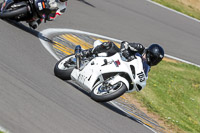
(87, 3)
(105, 104)
(29, 30)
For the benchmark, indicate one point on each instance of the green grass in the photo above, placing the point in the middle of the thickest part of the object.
(173, 92)
(178, 6)
(1, 132)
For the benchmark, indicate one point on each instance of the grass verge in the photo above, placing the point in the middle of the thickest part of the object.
(180, 6)
(172, 92)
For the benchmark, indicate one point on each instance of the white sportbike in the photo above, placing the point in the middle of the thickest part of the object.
(107, 78)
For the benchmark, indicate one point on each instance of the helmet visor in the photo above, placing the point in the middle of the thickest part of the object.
(152, 59)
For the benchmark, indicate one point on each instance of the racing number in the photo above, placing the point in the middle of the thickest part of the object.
(141, 76)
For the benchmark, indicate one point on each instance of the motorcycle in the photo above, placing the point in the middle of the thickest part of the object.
(106, 78)
(27, 10)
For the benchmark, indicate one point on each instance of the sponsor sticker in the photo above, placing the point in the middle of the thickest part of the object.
(40, 6)
(117, 63)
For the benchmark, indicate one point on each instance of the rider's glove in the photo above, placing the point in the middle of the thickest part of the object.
(136, 47)
(126, 54)
(124, 49)
(124, 45)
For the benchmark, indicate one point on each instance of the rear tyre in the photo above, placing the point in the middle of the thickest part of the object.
(15, 12)
(102, 94)
(64, 68)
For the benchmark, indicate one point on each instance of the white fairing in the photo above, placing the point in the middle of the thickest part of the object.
(87, 76)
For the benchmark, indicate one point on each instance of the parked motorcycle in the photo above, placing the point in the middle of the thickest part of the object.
(26, 10)
(107, 78)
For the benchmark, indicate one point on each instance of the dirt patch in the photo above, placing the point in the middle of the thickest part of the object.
(174, 61)
(157, 118)
(191, 3)
(170, 60)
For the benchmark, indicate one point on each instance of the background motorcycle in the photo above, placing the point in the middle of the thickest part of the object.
(107, 78)
(27, 10)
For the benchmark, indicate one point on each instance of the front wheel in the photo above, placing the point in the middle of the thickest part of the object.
(105, 93)
(64, 67)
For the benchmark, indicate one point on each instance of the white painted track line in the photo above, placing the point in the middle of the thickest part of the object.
(173, 10)
(3, 130)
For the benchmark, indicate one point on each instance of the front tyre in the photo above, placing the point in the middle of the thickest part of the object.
(105, 93)
(64, 67)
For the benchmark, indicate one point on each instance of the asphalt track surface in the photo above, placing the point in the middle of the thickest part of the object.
(33, 100)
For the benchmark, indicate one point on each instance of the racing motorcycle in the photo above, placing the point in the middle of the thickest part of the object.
(24, 10)
(106, 78)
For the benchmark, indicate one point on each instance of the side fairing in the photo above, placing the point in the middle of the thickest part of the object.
(99, 66)
(139, 76)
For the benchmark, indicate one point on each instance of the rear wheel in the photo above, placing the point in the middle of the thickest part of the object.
(64, 67)
(15, 11)
(105, 92)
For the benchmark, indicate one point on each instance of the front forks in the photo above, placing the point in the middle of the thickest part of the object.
(78, 56)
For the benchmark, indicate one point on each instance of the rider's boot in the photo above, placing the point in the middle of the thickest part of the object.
(89, 52)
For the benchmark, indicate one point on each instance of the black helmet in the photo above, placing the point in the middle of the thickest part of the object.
(154, 54)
